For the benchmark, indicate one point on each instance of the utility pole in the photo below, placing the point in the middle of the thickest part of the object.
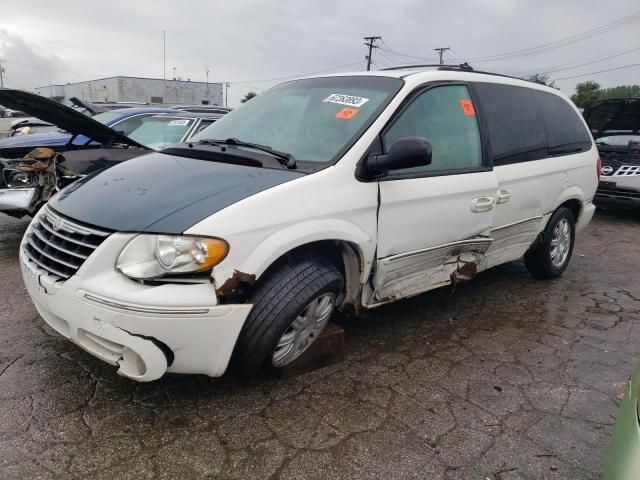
(226, 93)
(207, 67)
(441, 51)
(371, 43)
(1, 72)
(164, 56)
(174, 73)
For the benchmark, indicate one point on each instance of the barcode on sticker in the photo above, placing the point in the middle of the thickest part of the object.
(178, 123)
(348, 100)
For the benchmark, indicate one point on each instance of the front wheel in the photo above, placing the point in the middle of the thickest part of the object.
(290, 310)
(550, 255)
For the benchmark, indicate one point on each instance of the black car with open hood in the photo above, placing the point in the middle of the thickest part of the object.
(615, 125)
(29, 175)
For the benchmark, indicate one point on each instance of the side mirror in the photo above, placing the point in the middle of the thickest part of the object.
(406, 152)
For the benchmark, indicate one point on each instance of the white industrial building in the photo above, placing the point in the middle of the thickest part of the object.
(137, 89)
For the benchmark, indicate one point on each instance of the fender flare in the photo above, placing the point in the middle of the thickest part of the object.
(283, 241)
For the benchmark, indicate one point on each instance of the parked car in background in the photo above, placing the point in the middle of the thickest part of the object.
(623, 455)
(202, 108)
(29, 126)
(341, 191)
(28, 178)
(159, 131)
(615, 125)
(124, 120)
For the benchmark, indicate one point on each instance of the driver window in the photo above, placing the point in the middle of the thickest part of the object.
(445, 116)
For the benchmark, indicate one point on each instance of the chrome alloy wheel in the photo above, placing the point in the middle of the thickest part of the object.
(560, 243)
(304, 329)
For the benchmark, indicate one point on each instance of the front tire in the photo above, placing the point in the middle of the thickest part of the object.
(550, 255)
(290, 310)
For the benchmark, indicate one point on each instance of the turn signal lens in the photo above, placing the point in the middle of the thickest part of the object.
(599, 167)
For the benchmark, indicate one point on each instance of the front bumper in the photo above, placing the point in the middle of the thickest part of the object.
(146, 330)
(16, 198)
(619, 191)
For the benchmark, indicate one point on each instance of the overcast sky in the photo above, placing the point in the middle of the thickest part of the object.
(249, 42)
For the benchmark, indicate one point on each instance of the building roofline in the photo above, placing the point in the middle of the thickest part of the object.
(127, 76)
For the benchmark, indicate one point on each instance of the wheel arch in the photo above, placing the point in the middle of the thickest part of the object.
(345, 245)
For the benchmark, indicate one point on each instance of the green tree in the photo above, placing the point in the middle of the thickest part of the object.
(586, 92)
(248, 97)
(542, 78)
(621, 91)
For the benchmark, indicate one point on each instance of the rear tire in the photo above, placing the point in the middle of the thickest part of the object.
(550, 255)
(283, 313)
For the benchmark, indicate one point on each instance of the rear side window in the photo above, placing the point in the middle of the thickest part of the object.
(565, 131)
(514, 125)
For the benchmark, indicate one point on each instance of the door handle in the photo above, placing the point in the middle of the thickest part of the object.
(504, 194)
(482, 204)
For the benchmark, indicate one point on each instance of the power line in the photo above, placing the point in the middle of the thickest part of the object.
(371, 44)
(338, 67)
(600, 71)
(621, 22)
(413, 57)
(588, 62)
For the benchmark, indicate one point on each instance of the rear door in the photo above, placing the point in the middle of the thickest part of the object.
(435, 219)
(531, 132)
(527, 181)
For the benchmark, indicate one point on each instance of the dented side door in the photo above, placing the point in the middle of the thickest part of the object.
(434, 222)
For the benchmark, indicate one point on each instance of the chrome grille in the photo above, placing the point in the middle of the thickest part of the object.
(60, 246)
(628, 171)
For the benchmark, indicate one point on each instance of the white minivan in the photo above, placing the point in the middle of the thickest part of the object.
(342, 191)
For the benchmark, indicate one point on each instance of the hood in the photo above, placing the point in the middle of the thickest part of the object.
(162, 193)
(62, 116)
(613, 116)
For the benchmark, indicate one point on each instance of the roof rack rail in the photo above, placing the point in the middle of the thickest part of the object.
(465, 67)
(462, 66)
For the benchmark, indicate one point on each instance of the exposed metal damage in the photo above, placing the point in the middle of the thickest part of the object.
(235, 284)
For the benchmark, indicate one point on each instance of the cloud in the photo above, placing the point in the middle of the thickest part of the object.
(25, 67)
(248, 41)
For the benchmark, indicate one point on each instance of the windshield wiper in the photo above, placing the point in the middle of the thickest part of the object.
(284, 158)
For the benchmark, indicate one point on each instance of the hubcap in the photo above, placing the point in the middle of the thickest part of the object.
(304, 329)
(560, 243)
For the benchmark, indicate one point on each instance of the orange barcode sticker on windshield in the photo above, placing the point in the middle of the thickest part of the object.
(467, 107)
(347, 113)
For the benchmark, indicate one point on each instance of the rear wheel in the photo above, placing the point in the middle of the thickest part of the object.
(550, 256)
(291, 308)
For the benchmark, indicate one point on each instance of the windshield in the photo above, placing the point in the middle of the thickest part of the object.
(313, 120)
(158, 132)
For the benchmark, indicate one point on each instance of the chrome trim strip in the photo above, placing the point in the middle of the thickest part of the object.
(514, 224)
(470, 241)
(71, 227)
(133, 308)
(57, 247)
(72, 240)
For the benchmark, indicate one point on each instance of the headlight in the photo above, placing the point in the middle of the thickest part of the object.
(151, 256)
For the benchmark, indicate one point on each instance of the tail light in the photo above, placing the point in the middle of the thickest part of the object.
(598, 167)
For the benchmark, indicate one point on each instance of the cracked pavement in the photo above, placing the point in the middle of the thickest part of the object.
(505, 378)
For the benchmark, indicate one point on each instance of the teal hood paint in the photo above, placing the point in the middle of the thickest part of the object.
(162, 193)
